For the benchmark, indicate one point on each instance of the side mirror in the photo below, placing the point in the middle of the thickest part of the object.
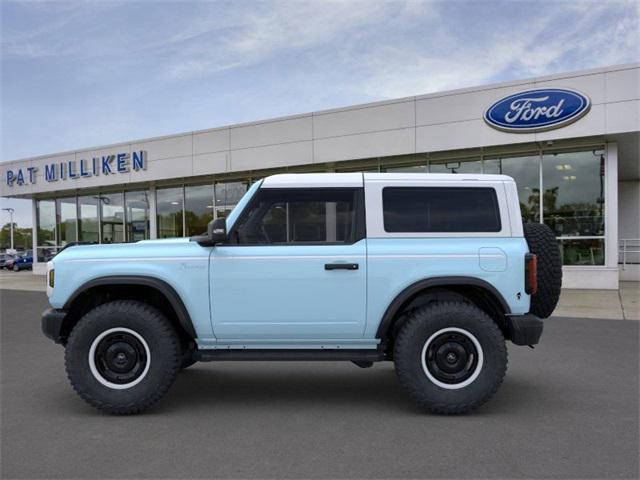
(217, 230)
(216, 233)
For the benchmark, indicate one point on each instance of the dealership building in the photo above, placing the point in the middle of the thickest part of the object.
(571, 142)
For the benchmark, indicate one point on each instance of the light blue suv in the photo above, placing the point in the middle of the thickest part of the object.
(432, 272)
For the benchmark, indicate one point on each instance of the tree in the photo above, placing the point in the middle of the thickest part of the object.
(22, 237)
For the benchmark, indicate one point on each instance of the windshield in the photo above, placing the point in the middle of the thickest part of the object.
(235, 213)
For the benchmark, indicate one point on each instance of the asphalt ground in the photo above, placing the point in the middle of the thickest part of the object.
(568, 409)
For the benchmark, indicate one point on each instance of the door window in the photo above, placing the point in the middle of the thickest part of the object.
(317, 216)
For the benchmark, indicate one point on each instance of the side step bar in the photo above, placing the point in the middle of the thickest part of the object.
(288, 355)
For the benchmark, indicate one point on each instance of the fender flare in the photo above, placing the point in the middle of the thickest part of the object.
(400, 300)
(160, 285)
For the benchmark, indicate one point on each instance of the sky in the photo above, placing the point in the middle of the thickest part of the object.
(88, 73)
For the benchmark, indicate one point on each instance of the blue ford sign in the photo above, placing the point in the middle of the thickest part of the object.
(537, 110)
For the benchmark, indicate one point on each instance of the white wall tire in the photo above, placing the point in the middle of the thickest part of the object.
(97, 374)
(477, 364)
(105, 379)
(464, 389)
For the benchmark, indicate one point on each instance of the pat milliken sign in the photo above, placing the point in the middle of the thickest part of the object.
(104, 165)
(537, 110)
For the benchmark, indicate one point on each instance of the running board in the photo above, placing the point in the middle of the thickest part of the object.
(288, 355)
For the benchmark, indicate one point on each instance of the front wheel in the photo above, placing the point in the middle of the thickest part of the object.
(450, 356)
(16, 268)
(123, 356)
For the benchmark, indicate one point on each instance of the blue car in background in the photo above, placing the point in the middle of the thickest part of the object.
(21, 262)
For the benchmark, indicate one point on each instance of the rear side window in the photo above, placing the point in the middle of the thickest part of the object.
(440, 209)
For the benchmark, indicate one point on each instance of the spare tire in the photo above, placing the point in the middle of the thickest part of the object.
(542, 242)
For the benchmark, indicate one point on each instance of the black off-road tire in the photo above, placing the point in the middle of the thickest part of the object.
(424, 325)
(146, 322)
(542, 242)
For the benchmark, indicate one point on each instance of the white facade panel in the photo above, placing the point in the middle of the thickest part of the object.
(209, 163)
(362, 120)
(462, 107)
(272, 132)
(623, 85)
(284, 155)
(469, 134)
(174, 167)
(169, 147)
(211, 141)
(367, 145)
(623, 116)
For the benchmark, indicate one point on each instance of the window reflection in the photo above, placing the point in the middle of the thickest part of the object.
(46, 229)
(88, 219)
(169, 212)
(67, 220)
(457, 166)
(526, 172)
(574, 193)
(112, 217)
(198, 208)
(137, 215)
(227, 195)
(582, 251)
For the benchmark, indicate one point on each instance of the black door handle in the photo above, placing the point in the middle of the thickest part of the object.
(341, 266)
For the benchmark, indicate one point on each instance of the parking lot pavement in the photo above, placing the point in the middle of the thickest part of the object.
(569, 408)
(22, 280)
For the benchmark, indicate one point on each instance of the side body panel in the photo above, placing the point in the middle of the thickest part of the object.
(285, 293)
(395, 264)
(182, 264)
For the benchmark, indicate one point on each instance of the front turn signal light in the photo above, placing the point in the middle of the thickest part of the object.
(52, 278)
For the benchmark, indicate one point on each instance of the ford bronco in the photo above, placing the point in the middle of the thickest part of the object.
(434, 272)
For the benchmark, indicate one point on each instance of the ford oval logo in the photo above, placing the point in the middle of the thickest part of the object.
(537, 110)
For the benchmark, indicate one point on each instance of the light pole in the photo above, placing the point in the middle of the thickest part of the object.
(10, 210)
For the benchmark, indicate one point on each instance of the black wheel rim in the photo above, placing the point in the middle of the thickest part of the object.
(451, 357)
(120, 358)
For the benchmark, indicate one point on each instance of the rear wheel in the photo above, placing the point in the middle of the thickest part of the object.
(122, 356)
(16, 268)
(450, 356)
(542, 242)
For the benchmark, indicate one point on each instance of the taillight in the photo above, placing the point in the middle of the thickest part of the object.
(530, 273)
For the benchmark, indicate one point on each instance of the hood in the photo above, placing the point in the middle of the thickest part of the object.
(168, 247)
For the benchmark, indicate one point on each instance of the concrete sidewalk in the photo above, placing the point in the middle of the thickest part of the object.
(623, 304)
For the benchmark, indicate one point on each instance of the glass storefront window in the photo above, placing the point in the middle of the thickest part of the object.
(46, 229)
(67, 220)
(408, 169)
(88, 221)
(573, 199)
(227, 195)
(137, 215)
(526, 172)
(456, 166)
(169, 204)
(582, 251)
(198, 208)
(112, 217)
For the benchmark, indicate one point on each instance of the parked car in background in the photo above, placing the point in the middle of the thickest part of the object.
(20, 262)
(4, 259)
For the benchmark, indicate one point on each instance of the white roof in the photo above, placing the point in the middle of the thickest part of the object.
(304, 180)
(356, 179)
(436, 177)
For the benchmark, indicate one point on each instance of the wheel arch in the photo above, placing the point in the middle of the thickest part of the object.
(490, 299)
(101, 289)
